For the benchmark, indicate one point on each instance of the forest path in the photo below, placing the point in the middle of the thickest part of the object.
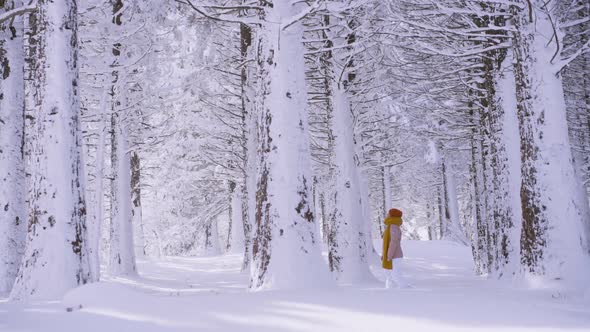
(209, 294)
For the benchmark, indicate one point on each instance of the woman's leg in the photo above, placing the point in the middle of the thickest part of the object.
(397, 273)
(389, 283)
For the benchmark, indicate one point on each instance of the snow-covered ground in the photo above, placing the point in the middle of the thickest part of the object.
(209, 294)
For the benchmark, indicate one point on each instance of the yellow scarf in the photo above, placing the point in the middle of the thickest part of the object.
(387, 238)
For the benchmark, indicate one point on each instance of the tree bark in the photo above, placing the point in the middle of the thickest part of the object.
(137, 215)
(550, 246)
(12, 174)
(286, 251)
(479, 220)
(122, 253)
(56, 256)
(248, 186)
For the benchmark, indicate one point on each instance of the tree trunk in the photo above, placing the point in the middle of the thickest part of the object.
(137, 220)
(577, 95)
(122, 252)
(441, 215)
(551, 230)
(249, 145)
(444, 226)
(236, 232)
(429, 220)
(487, 197)
(325, 222)
(12, 176)
(286, 251)
(480, 246)
(347, 248)
(386, 187)
(499, 101)
(453, 227)
(56, 256)
(95, 232)
(232, 189)
(211, 244)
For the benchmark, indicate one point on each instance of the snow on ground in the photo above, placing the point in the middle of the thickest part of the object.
(209, 294)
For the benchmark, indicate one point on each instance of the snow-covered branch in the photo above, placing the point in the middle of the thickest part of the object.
(220, 13)
(565, 62)
(6, 16)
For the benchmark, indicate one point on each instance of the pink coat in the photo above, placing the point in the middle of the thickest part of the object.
(395, 248)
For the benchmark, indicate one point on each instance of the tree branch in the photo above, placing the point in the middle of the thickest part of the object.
(562, 64)
(222, 17)
(6, 16)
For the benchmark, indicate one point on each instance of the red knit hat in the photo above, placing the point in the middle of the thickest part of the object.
(395, 213)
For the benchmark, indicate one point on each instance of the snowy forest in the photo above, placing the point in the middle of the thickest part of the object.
(212, 151)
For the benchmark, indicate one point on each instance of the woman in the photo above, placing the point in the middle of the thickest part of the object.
(392, 250)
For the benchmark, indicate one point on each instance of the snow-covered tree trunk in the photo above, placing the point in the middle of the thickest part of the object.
(551, 228)
(429, 215)
(137, 220)
(453, 229)
(347, 247)
(367, 249)
(577, 96)
(317, 207)
(211, 243)
(487, 197)
(441, 213)
(325, 226)
(493, 199)
(286, 248)
(248, 187)
(12, 176)
(386, 197)
(386, 187)
(479, 242)
(230, 224)
(236, 233)
(95, 228)
(446, 216)
(248, 204)
(122, 253)
(505, 212)
(345, 218)
(56, 255)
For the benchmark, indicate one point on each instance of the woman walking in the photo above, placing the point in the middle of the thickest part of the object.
(392, 250)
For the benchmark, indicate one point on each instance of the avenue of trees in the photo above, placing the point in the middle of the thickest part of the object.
(279, 129)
